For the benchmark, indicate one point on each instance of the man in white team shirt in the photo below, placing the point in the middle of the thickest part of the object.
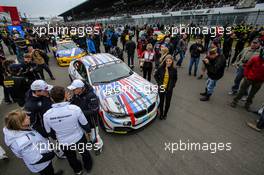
(69, 124)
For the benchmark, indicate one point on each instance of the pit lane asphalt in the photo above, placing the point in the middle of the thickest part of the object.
(189, 120)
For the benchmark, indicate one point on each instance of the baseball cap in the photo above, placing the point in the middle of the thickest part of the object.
(212, 51)
(256, 40)
(40, 85)
(76, 84)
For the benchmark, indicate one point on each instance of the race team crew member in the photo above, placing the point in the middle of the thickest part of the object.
(24, 142)
(37, 103)
(68, 122)
(17, 85)
(86, 99)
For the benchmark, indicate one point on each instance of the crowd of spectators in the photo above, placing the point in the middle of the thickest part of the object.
(153, 6)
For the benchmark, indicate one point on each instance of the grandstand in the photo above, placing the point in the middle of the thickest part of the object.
(142, 11)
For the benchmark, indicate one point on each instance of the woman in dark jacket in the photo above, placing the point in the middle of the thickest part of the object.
(166, 77)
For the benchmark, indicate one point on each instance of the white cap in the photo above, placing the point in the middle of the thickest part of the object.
(76, 84)
(40, 85)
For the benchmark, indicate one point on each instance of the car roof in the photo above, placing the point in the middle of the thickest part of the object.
(98, 59)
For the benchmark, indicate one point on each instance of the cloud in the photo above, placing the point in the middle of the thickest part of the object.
(46, 8)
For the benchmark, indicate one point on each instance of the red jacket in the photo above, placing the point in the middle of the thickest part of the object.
(254, 69)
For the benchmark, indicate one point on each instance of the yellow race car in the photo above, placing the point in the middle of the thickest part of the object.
(67, 50)
(160, 35)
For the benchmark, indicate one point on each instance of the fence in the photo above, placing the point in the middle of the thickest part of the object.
(255, 18)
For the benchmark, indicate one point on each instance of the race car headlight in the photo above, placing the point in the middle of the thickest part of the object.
(117, 115)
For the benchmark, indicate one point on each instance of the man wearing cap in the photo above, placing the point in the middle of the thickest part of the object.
(86, 99)
(215, 65)
(254, 77)
(37, 103)
(242, 59)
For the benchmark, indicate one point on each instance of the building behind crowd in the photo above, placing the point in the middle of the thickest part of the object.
(167, 12)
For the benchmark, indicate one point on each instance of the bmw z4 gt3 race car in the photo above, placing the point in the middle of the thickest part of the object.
(66, 51)
(127, 101)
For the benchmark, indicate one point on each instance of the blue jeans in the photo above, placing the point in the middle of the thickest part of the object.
(194, 61)
(182, 55)
(210, 86)
(238, 79)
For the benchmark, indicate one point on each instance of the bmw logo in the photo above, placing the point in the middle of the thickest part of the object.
(39, 103)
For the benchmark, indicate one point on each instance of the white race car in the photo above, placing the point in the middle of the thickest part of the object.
(127, 101)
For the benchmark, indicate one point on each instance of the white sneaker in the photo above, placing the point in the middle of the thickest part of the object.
(244, 98)
(232, 93)
(79, 173)
(3, 157)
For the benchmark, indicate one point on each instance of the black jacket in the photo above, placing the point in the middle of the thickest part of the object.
(114, 39)
(18, 86)
(159, 76)
(30, 71)
(194, 50)
(216, 67)
(36, 108)
(87, 101)
(97, 43)
(152, 41)
(227, 46)
(130, 47)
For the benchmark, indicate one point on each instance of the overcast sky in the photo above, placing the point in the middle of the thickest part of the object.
(37, 8)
